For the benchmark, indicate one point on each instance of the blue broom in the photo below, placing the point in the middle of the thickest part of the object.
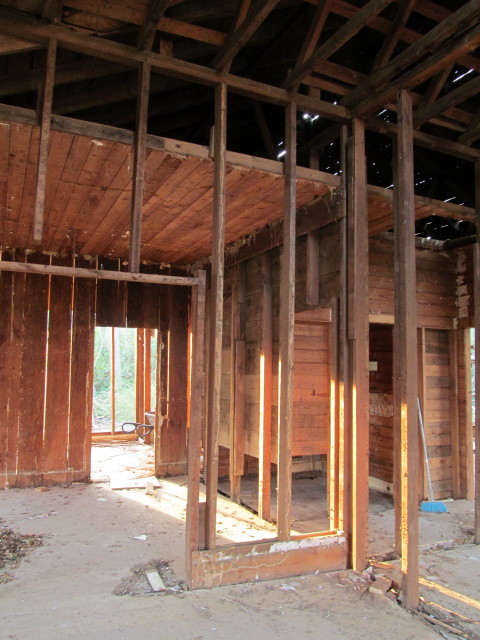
(431, 506)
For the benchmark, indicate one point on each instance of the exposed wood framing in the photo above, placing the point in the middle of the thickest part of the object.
(45, 119)
(341, 36)
(358, 337)
(405, 351)
(140, 376)
(313, 268)
(476, 288)
(243, 33)
(147, 33)
(216, 314)
(139, 153)
(112, 379)
(52, 10)
(265, 425)
(450, 99)
(422, 476)
(237, 382)
(99, 274)
(131, 56)
(388, 47)
(287, 323)
(192, 536)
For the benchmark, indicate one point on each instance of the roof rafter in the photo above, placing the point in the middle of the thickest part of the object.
(392, 38)
(154, 14)
(240, 36)
(473, 132)
(466, 91)
(343, 35)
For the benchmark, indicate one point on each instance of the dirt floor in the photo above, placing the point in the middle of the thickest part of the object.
(87, 579)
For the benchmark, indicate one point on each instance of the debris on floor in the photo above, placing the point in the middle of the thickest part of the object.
(13, 547)
(152, 578)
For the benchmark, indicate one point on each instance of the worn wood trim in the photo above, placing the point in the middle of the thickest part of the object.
(405, 348)
(358, 334)
(216, 313)
(44, 120)
(267, 560)
(286, 332)
(265, 426)
(139, 154)
(192, 536)
(99, 274)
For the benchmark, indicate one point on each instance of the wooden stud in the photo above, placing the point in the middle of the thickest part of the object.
(333, 453)
(358, 335)
(286, 335)
(139, 154)
(154, 14)
(405, 349)
(470, 472)
(453, 404)
(237, 383)
(45, 120)
(112, 378)
(265, 425)
(313, 268)
(140, 376)
(422, 396)
(195, 428)
(148, 365)
(216, 313)
(476, 288)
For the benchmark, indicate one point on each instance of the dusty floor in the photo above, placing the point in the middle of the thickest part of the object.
(96, 540)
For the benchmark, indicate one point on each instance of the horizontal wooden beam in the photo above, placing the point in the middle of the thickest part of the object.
(268, 560)
(466, 91)
(15, 25)
(98, 274)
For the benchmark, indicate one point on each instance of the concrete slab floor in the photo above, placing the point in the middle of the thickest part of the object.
(64, 588)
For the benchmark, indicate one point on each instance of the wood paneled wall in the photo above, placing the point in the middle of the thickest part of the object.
(46, 339)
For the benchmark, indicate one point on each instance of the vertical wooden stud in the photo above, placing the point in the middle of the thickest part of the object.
(112, 379)
(467, 356)
(140, 376)
(287, 324)
(422, 396)
(216, 313)
(405, 349)
(147, 374)
(45, 121)
(476, 286)
(358, 337)
(313, 268)
(139, 153)
(265, 426)
(195, 428)
(453, 402)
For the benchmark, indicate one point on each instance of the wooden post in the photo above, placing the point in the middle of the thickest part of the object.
(140, 376)
(422, 396)
(313, 268)
(358, 338)
(195, 429)
(405, 348)
(216, 313)
(467, 357)
(265, 426)
(45, 121)
(476, 287)
(453, 403)
(112, 379)
(148, 375)
(343, 486)
(139, 153)
(287, 324)
(237, 382)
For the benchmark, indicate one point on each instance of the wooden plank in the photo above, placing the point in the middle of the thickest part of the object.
(454, 421)
(139, 152)
(57, 390)
(313, 268)
(286, 333)
(216, 313)
(469, 454)
(32, 379)
(267, 560)
(82, 272)
(422, 395)
(192, 535)
(405, 349)
(140, 376)
(237, 382)
(112, 380)
(110, 309)
(358, 335)
(476, 288)
(265, 423)
(147, 33)
(45, 118)
(81, 378)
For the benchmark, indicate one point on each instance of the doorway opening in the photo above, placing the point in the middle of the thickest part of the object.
(124, 395)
